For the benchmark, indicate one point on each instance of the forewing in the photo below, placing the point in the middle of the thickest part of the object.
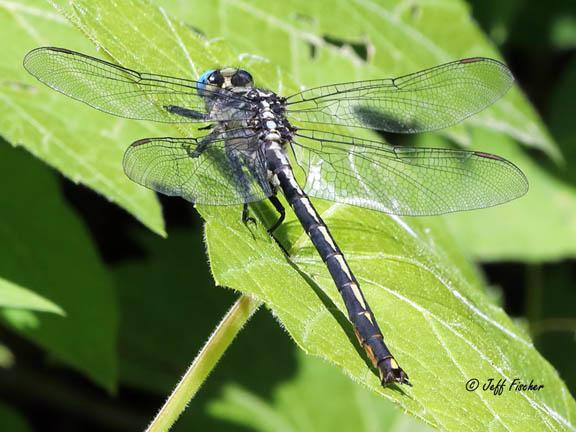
(404, 180)
(431, 99)
(123, 92)
(224, 172)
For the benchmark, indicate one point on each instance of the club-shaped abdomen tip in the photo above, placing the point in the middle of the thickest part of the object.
(391, 372)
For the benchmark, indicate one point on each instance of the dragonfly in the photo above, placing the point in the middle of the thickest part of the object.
(253, 138)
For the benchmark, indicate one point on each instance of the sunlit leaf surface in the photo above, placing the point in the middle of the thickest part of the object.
(16, 297)
(440, 324)
(379, 39)
(397, 37)
(297, 403)
(86, 146)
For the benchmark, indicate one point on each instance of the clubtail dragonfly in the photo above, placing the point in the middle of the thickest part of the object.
(243, 153)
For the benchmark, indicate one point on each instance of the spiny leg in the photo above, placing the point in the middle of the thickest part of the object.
(196, 152)
(202, 144)
(280, 209)
(185, 112)
(246, 218)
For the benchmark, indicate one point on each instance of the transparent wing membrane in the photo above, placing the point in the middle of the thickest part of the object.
(210, 170)
(404, 180)
(431, 99)
(227, 166)
(241, 160)
(123, 92)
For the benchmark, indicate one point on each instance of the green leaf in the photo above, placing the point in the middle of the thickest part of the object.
(541, 226)
(442, 327)
(534, 26)
(398, 37)
(440, 324)
(162, 329)
(11, 420)
(6, 357)
(563, 34)
(402, 37)
(14, 296)
(86, 146)
(47, 250)
(562, 121)
(318, 399)
(524, 229)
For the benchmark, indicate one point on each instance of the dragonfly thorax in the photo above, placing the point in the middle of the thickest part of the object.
(247, 107)
(242, 156)
(270, 116)
(257, 109)
(261, 111)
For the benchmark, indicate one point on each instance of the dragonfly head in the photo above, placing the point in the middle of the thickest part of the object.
(227, 78)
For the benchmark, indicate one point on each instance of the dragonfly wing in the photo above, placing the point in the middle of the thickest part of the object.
(210, 170)
(120, 91)
(431, 99)
(407, 181)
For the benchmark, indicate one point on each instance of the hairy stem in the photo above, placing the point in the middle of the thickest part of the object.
(204, 362)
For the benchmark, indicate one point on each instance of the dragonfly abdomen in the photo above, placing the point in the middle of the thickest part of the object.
(359, 313)
(242, 159)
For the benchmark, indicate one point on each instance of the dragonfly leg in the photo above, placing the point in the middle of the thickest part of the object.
(280, 209)
(246, 218)
(184, 112)
(202, 144)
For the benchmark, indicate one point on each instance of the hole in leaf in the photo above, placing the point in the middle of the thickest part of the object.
(415, 11)
(361, 49)
(313, 50)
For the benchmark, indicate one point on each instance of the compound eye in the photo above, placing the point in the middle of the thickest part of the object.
(215, 79)
(241, 79)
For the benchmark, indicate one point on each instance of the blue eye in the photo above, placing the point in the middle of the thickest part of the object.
(204, 77)
(212, 77)
(201, 85)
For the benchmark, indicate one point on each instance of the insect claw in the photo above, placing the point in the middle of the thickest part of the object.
(246, 218)
(391, 373)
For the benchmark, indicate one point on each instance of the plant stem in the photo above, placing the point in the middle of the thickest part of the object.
(204, 362)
